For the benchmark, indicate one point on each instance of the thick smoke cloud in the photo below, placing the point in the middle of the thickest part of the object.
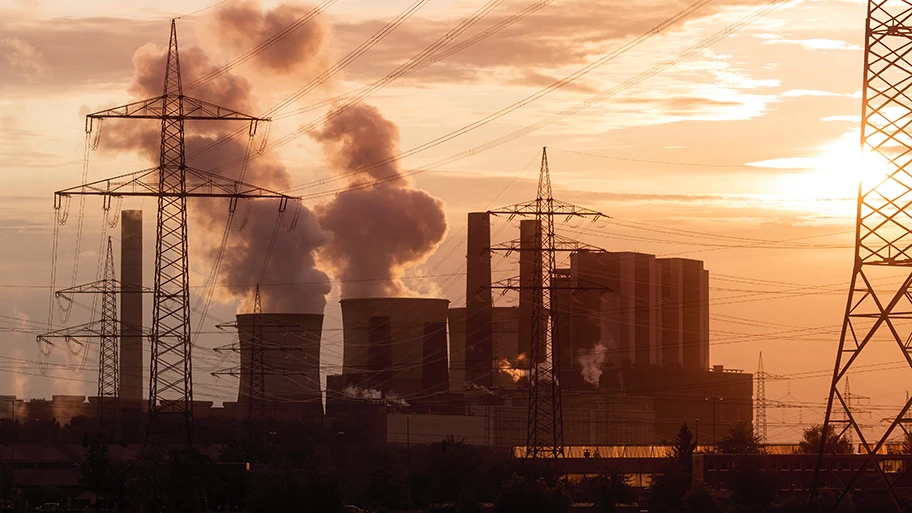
(380, 231)
(241, 25)
(292, 261)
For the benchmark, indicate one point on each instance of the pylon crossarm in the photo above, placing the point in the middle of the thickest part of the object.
(194, 109)
(199, 184)
(87, 330)
(561, 245)
(98, 287)
(266, 323)
(558, 208)
(239, 371)
(203, 183)
(150, 108)
(235, 348)
(137, 183)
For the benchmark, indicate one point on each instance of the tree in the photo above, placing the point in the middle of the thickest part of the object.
(7, 481)
(100, 474)
(683, 448)
(700, 499)
(669, 486)
(605, 491)
(752, 485)
(834, 444)
(519, 496)
(740, 440)
(286, 488)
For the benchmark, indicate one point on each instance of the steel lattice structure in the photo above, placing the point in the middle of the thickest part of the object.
(879, 305)
(761, 429)
(545, 436)
(107, 331)
(172, 182)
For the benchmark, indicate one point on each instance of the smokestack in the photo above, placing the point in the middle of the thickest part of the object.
(530, 281)
(479, 335)
(131, 308)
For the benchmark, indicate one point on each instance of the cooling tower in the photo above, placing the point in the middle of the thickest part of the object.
(292, 361)
(400, 343)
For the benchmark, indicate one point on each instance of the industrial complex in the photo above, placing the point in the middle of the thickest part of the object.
(631, 338)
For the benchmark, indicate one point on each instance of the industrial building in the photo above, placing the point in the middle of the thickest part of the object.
(631, 335)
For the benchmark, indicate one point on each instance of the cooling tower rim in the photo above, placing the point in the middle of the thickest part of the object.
(396, 299)
(499, 308)
(276, 314)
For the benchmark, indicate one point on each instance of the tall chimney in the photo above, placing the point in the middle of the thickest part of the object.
(530, 281)
(479, 333)
(131, 308)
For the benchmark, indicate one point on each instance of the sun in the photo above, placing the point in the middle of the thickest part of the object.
(835, 174)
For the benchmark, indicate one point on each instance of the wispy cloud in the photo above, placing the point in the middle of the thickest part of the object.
(797, 93)
(816, 44)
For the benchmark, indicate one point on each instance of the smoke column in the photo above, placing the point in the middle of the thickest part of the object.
(242, 26)
(380, 231)
(591, 361)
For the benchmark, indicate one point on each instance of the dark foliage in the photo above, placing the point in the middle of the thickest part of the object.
(740, 440)
(810, 443)
(521, 496)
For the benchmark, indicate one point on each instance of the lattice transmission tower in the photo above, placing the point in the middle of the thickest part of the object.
(106, 330)
(172, 182)
(545, 435)
(761, 428)
(879, 305)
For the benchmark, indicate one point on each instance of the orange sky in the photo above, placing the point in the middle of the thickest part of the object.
(722, 157)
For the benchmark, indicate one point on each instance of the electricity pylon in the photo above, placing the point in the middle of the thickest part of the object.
(879, 304)
(545, 435)
(172, 182)
(761, 429)
(106, 330)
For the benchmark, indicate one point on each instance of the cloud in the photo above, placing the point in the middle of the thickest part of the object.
(798, 93)
(17, 57)
(854, 118)
(73, 52)
(789, 163)
(563, 34)
(817, 44)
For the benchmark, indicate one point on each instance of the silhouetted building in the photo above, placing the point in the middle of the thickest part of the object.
(399, 343)
(685, 313)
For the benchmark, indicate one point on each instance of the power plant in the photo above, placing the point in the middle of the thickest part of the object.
(602, 348)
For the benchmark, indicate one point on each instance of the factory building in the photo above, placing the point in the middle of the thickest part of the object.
(396, 345)
(291, 351)
(685, 313)
(504, 327)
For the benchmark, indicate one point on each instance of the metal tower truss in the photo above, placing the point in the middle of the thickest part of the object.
(878, 314)
(760, 429)
(545, 436)
(172, 182)
(256, 386)
(106, 330)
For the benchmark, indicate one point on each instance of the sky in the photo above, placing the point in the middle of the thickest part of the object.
(743, 154)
